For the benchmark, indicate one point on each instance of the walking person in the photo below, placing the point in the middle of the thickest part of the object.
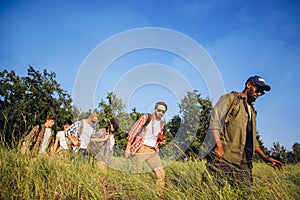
(143, 141)
(80, 132)
(102, 144)
(40, 140)
(61, 145)
(233, 126)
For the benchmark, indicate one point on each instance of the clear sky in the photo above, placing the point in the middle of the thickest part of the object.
(242, 38)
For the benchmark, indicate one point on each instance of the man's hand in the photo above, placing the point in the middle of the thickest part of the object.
(219, 151)
(162, 142)
(276, 164)
(74, 140)
(127, 153)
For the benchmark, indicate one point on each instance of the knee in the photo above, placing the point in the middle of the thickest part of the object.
(160, 174)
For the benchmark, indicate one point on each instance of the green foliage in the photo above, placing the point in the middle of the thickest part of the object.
(109, 108)
(189, 130)
(26, 101)
(296, 151)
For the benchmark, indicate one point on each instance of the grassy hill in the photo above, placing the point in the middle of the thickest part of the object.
(52, 178)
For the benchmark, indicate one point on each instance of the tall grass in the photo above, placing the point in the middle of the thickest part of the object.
(50, 178)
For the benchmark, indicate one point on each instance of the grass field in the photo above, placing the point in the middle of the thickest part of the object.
(49, 178)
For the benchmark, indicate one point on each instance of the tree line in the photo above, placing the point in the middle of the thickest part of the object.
(26, 101)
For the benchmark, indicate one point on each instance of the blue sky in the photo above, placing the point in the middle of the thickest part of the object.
(243, 38)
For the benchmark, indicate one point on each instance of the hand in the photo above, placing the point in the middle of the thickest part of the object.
(76, 143)
(162, 142)
(127, 153)
(74, 140)
(219, 152)
(274, 163)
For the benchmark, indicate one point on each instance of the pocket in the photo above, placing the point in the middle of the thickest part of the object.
(235, 111)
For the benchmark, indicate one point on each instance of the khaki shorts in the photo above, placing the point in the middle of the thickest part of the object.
(150, 156)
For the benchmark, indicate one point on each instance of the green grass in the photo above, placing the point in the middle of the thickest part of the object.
(49, 178)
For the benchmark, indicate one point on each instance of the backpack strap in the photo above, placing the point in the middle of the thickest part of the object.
(80, 128)
(148, 120)
(235, 101)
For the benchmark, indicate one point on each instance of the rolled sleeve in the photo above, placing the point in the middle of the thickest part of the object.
(217, 117)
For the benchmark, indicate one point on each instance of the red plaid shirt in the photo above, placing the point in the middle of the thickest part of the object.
(137, 143)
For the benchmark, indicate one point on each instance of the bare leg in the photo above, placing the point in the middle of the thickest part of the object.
(160, 182)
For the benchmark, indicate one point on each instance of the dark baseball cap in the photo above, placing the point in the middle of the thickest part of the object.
(259, 81)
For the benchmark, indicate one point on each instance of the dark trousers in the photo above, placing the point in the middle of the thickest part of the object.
(239, 176)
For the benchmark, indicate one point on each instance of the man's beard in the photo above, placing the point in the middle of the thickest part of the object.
(251, 99)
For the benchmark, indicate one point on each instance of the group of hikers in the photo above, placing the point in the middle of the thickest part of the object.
(232, 125)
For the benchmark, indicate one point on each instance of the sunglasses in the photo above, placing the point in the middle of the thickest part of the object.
(259, 91)
(162, 111)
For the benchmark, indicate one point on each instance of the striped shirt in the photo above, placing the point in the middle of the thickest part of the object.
(139, 133)
(82, 131)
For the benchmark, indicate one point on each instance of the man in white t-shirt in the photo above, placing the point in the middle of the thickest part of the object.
(143, 141)
(80, 132)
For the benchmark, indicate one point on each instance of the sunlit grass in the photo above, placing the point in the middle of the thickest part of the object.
(51, 178)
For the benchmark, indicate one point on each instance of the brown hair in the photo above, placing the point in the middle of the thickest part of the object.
(51, 117)
(161, 103)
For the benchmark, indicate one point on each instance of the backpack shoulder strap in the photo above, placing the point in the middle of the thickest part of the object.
(80, 127)
(148, 120)
(235, 101)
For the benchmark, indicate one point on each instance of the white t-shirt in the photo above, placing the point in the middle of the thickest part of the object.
(152, 131)
(45, 140)
(85, 137)
(111, 143)
(62, 139)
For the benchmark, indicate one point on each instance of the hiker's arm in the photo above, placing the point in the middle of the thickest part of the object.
(219, 151)
(127, 151)
(216, 123)
(69, 133)
(100, 139)
(74, 140)
(269, 160)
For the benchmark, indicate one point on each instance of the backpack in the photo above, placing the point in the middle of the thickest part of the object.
(28, 146)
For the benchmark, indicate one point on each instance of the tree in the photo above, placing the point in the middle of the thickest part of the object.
(26, 101)
(296, 151)
(279, 152)
(109, 108)
(195, 115)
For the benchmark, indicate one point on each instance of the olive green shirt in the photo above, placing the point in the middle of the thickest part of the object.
(233, 125)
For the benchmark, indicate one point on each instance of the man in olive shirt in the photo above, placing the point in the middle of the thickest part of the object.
(233, 126)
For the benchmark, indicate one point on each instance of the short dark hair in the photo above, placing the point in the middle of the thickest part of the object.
(51, 117)
(161, 103)
(68, 121)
